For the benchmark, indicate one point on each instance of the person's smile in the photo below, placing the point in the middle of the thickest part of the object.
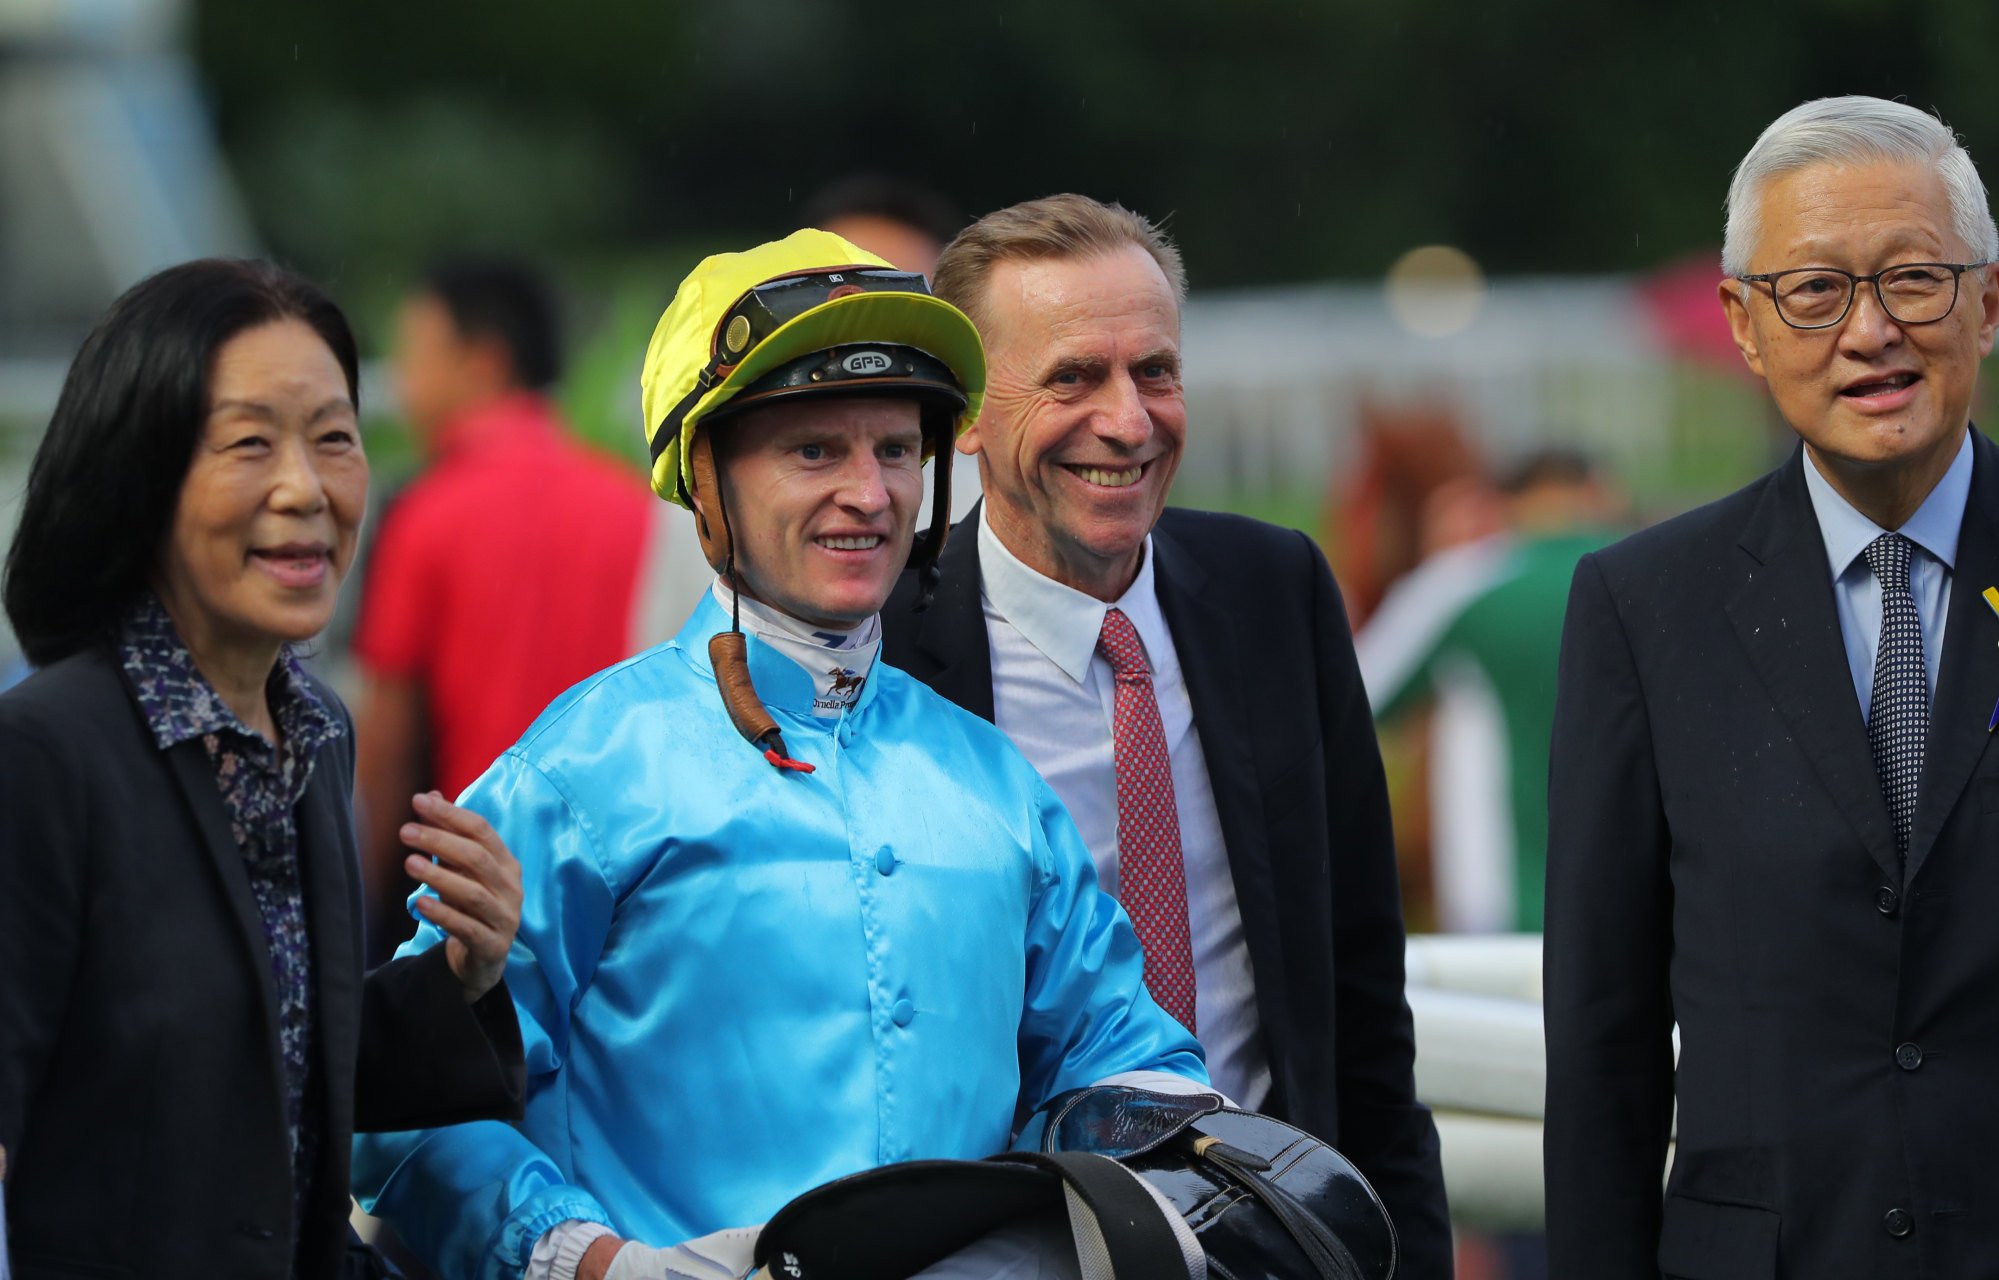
(299, 565)
(1882, 392)
(1106, 475)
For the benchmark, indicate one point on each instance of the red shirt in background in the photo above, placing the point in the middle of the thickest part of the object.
(501, 576)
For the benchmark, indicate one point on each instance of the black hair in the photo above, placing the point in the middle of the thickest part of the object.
(880, 195)
(1553, 464)
(509, 302)
(108, 473)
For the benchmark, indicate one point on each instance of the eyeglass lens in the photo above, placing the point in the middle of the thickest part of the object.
(1916, 293)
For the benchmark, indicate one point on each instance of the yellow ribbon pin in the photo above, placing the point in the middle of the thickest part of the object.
(1992, 599)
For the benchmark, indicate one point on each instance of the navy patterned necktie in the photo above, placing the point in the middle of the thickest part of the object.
(1898, 714)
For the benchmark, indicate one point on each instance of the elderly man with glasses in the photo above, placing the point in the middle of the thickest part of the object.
(1774, 817)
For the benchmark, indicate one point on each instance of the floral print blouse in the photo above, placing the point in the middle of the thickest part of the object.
(261, 785)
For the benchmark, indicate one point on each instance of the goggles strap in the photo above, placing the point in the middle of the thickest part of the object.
(669, 430)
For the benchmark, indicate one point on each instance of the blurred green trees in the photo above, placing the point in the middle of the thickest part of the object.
(618, 140)
(1286, 140)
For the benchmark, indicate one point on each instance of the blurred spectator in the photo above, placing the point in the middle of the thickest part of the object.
(909, 224)
(1456, 535)
(1460, 511)
(894, 218)
(507, 571)
(1477, 629)
(1377, 508)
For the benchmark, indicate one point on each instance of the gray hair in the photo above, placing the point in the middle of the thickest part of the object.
(1855, 130)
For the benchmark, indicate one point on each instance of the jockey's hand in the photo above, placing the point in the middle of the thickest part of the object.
(724, 1255)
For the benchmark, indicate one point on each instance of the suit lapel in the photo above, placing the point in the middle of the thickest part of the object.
(332, 907)
(952, 631)
(1968, 671)
(196, 778)
(1211, 660)
(1783, 611)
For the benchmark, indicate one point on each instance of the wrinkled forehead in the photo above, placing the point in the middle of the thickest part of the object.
(1880, 205)
(1114, 303)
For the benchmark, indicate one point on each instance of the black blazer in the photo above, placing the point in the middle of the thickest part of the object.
(1720, 853)
(1290, 748)
(141, 1084)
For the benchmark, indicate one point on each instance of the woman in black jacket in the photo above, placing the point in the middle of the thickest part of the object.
(186, 1040)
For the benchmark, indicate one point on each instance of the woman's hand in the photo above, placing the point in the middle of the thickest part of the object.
(478, 886)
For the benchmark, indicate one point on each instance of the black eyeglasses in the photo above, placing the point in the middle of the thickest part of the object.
(1820, 297)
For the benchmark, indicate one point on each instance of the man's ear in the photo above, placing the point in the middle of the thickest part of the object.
(1986, 280)
(1740, 324)
(969, 442)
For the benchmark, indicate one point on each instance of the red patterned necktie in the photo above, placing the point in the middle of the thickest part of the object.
(1152, 879)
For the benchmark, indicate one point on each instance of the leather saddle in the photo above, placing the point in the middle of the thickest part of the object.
(1256, 1199)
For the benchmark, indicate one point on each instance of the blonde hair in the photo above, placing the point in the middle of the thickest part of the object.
(1061, 226)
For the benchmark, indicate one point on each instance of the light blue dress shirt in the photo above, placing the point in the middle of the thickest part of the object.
(736, 983)
(1857, 592)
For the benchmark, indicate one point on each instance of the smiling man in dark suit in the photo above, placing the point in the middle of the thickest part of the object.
(1186, 683)
(1774, 816)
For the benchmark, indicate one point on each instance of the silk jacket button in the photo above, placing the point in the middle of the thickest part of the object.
(903, 1013)
(885, 862)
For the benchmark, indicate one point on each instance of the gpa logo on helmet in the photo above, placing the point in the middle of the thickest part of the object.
(867, 363)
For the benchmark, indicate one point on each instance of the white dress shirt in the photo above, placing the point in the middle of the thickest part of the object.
(1857, 592)
(1054, 697)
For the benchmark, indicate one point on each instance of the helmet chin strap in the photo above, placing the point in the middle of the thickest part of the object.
(728, 651)
(925, 554)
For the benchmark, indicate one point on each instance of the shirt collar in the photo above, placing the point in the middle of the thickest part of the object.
(839, 662)
(180, 704)
(1060, 621)
(1934, 527)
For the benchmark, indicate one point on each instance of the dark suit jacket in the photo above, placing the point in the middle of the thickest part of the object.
(1720, 853)
(141, 1084)
(1290, 748)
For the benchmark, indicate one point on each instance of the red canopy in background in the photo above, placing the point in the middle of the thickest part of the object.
(1686, 312)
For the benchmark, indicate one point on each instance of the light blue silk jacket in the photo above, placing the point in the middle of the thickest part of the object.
(736, 983)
